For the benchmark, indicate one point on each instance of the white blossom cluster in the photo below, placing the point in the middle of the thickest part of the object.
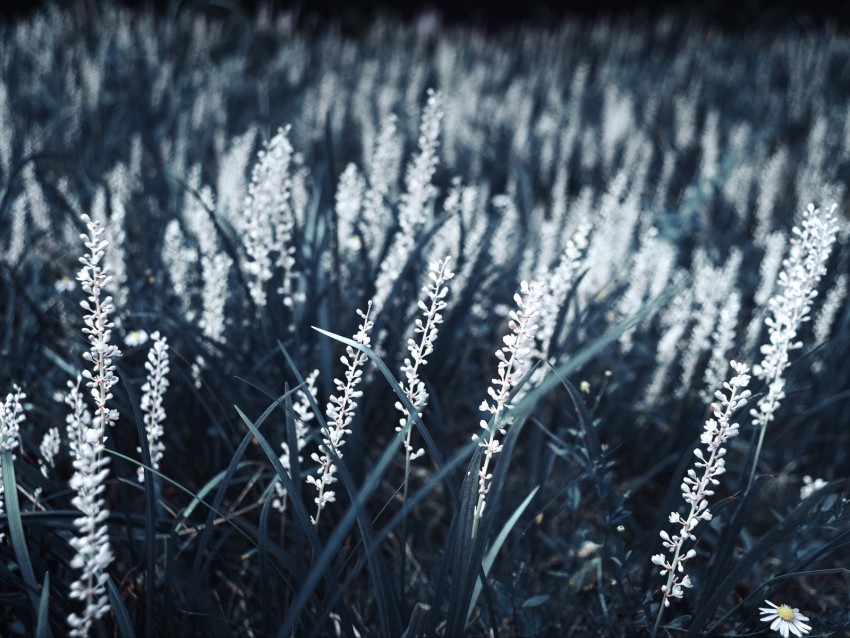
(412, 208)
(801, 272)
(11, 417)
(51, 443)
(340, 414)
(562, 280)
(698, 485)
(87, 439)
(383, 169)
(427, 327)
(268, 222)
(153, 392)
(513, 357)
(349, 200)
(98, 328)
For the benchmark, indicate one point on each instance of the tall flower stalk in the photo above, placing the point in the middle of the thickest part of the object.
(153, 392)
(427, 327)
(697, 486)
(340, 414)
(801, 272)
(513, 359)
(91, 467)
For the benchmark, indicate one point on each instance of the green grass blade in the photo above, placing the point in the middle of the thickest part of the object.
(16, 527)
(122, 618)
(150, 512)
(263, 565)
(497, 546)
(321, 566)
(326, 554)
(42, 629)
(430, 485)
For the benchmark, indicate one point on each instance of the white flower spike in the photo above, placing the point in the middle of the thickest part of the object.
(785, 619)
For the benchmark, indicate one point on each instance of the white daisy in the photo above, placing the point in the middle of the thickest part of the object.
(783, 619)
(135, 338)
(66, 284)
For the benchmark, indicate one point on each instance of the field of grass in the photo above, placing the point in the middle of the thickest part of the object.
(422, 330)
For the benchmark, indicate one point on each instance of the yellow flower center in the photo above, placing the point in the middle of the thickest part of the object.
(785, 613)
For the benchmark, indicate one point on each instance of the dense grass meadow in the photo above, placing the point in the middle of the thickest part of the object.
(421, 329)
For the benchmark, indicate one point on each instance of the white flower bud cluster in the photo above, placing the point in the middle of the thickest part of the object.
(413, 386)
(268, 217)
(413, 205)
(11, 417)
(153, 392)
(801, 272)
(698, 485)
(513, 357)
(87, 438)
(98, 327)
(49, 448)
(340, 413)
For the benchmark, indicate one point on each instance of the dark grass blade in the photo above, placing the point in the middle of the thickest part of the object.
(386, 598)
(320, 568)
(326, 554)
(206, 535)
(497, 544)
(430, 485)
(283, 563)
(468, 561)
(295, 464)
(122, 618)
(263, 565)
(197, 498)
(474, 569)
(787, 526)
(721, 559)
(462, 514)
(418, 621)
(42, 628)
(16, 527)
(602, 479)
(150, 513)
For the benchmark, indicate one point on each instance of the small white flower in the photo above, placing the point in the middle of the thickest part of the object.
(66, 284)
(136, 338)
(785, 619)
(810, 486)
